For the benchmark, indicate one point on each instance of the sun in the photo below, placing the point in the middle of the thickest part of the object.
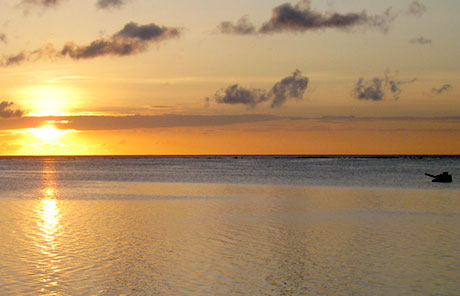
(47, 132)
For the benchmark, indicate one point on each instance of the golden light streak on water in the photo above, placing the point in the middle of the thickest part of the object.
(48, 231)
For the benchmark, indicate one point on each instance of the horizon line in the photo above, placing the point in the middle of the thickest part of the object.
(231, 155)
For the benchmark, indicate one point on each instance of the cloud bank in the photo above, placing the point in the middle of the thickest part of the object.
(6, 110)
(291, 87)
(377, 88)
(301, 18)
(132, 39)
(99, 123)
(135, 121)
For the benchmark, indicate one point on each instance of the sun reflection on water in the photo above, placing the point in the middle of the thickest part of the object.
(49, 227)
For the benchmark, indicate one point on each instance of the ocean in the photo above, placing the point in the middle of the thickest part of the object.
(229, 225)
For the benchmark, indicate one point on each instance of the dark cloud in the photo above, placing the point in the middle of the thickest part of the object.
(416, 8)
(377, 88)
(442, 89)
(300, 18)
(370, 90)
(6, 110)
(132, 39)
(2, 37)
(293, 86)
(110, 3)
(150, 32)
(235, 94)
(421, 40)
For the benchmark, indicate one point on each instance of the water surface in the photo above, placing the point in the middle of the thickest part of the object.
(225, 226)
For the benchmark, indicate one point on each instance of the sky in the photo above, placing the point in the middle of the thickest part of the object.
(132, 77)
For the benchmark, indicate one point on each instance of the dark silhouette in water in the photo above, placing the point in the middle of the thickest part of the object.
(442, 178)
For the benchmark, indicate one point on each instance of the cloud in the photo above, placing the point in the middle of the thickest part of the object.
(234, 94)
(7, 112)
(132, 39)
(369, 90)
(110, 3)
(377, 88)
(421, 40)
(442, 89)
(2, 37)
(14, 59)
(103, 4)
(45, 3)
(301, 18)
(416, 8)
(242, 27)
(99, 122)
(293, 86)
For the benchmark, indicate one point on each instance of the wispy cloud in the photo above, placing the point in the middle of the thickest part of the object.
(45, 3)
(99, 122)
(110, 3)
(421, 40)
(377, 88)
(7, 111)
(416, 8)
(103, 4)
(132, 39)
(2, 37)
(242, 27)
(300, 17)
(293, 86)
(442, 89)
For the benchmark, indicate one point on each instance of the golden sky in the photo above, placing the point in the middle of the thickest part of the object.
(229, 77)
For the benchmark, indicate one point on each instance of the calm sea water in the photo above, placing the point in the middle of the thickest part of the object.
(229, 226)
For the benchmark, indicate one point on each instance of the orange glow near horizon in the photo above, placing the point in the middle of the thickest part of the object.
(355, 137)
(49, 140)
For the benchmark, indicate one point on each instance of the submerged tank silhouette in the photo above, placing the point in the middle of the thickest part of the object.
(442, 178)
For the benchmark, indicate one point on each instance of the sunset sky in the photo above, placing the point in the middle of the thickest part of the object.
(229, 77)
